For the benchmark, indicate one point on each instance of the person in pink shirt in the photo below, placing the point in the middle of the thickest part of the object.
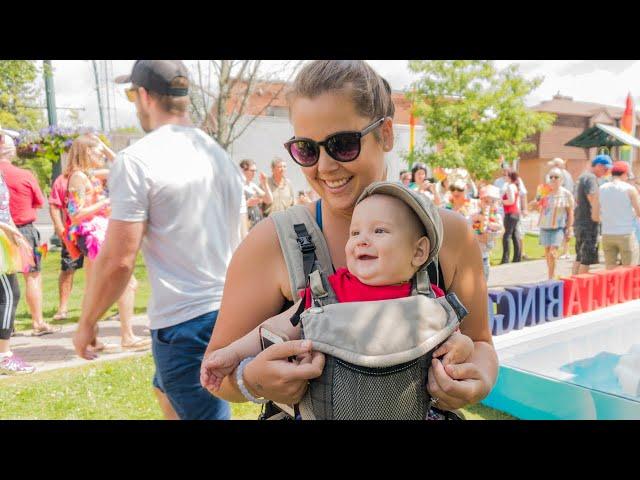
(68, 266)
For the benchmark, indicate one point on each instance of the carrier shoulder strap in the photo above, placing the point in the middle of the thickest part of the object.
(289, 227)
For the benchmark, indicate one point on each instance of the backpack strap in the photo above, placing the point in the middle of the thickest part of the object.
(291, 247)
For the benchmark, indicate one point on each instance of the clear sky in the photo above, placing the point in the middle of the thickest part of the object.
(601, 81)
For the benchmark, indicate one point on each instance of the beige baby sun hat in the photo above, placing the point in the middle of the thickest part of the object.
(423, 207)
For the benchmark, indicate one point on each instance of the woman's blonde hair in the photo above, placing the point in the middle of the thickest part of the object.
(79, 157)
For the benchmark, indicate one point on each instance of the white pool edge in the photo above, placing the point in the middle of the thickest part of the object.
(516, 337)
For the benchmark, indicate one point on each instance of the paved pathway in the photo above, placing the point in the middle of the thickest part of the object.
(529, 272)
(50, 352)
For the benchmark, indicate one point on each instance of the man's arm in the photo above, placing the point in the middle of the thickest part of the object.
(37, 198)
(56, 218)
(111, 273)
(635, 201)
(594, 200)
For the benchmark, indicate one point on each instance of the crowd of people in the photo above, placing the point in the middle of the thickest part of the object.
(272, 194)
(79, 208)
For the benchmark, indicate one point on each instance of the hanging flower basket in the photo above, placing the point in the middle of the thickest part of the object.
(27, 150)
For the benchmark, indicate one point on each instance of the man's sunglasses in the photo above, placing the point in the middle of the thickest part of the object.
(554, 177)
(454, 189)
(341, 146)
(131, 94)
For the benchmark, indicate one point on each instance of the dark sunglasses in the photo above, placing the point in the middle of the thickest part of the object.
(341, 146)
(554, 177)
(453, 189)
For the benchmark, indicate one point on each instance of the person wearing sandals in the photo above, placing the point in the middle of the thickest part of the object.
(68, 265)
(555, 204)
(10, 363)
(342, 117)
(87, 212)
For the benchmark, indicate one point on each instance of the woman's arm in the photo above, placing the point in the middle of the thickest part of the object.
(256, 287)
(267, 198)
(461, 261)
(76, 205)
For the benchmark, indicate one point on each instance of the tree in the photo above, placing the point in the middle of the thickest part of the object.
(19, 95)
(473, 113)
(221, 92)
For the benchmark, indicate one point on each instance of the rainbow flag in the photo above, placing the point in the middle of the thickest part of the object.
(628, 124)
(41, 251)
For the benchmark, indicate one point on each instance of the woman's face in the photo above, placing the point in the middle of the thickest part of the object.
(340, 184)
(249, 172)
(457, 194)
(555, 180)
(419, 176)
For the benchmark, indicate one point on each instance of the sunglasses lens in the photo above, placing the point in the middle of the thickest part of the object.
(304, 153)
(344, 147)
(131, 95)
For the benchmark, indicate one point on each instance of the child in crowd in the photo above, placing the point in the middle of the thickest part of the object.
(387, 245)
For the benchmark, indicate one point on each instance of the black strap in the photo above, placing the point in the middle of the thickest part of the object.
(308, 249)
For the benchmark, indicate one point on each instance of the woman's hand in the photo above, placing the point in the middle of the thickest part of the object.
(253, 202)
(271, 375)
(568, 233)
(456, 386)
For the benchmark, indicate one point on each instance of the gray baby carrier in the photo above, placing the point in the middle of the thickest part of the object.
(377, 353)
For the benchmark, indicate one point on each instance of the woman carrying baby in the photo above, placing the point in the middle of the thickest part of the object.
(341, 112)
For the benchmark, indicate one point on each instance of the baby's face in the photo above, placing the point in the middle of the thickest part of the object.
(385, 246)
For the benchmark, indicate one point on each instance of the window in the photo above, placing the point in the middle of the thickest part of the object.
(277, 112)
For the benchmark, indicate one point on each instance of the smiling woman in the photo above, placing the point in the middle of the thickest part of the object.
(331, 102)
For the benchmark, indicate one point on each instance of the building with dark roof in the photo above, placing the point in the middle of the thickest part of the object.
(572, 118)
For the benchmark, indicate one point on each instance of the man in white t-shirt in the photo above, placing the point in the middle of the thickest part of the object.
(177, 194)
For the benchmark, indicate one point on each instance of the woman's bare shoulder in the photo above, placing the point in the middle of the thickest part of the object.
(454, 225)
(260, 252)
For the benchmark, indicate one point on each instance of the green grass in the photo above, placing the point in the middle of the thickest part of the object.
(50, 271)
(532, 249)
(118, 389)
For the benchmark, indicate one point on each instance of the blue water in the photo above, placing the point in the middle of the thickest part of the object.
(596, 373)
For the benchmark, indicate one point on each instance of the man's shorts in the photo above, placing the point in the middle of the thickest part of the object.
(586, 243)
(624, 245)
(32, 235)
(178, 351)
(68, 263)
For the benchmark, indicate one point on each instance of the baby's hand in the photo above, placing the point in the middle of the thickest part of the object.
(216, 366)
(457, 349)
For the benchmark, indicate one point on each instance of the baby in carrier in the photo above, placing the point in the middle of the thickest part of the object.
(385, 341)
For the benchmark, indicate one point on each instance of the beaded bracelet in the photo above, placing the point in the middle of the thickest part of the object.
(242, 387)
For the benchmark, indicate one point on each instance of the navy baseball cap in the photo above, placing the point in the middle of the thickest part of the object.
(602, 159)
(156, 76)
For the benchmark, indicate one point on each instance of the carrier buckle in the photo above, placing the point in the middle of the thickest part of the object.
(457, 305)
(305, 243)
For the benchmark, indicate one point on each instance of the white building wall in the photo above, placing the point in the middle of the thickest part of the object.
(264, 138)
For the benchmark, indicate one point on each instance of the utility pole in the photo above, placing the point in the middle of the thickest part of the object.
(50, 93)
(95, 73)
